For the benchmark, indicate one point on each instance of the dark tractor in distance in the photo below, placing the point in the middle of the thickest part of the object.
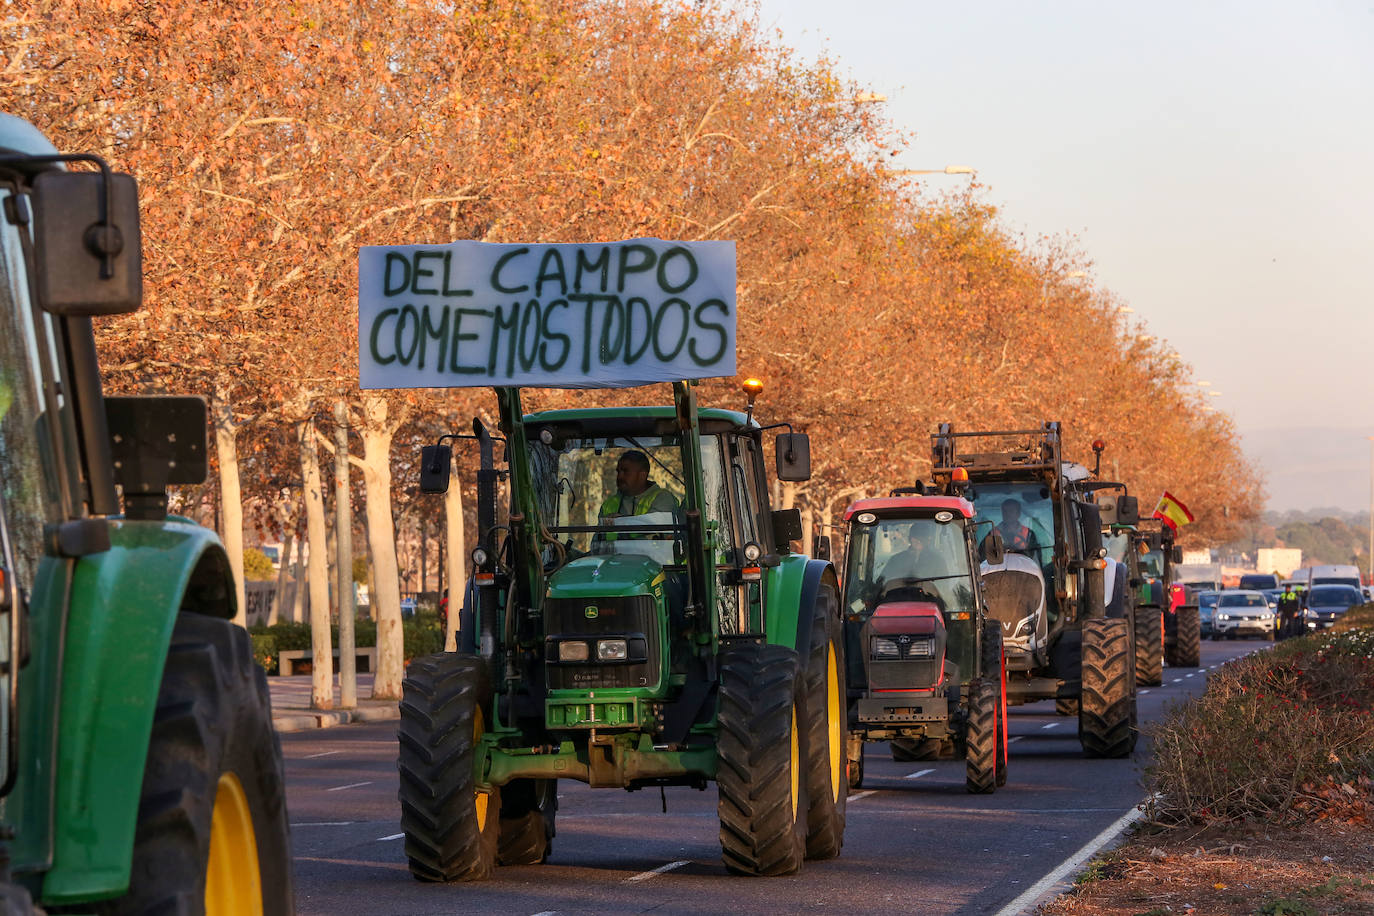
(140, 771)
(925, 663)
(675, 643)
(1178, 606)
(1046, 587)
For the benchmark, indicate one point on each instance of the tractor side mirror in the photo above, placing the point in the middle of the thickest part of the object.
(87, 243)
(793, 455)
(1128, 511)
(994, 548)
(787, 527)
(822, 550)
(1176, 554)
(435, 461)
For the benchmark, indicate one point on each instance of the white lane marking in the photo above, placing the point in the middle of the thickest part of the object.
(1187, 675)
(1050, 725)
(325, 824)
(394, 836)
(645, 876)
(351, 785)
(1143, 690)
(1072, 863)
(321, 754)
(918, 774)
(864, 794)
(1177, 680)
(547, 913)
(1016, 739)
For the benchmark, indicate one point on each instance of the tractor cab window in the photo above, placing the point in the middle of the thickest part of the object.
(1022, 512)
(1118, 544)
(612, 495)
(905, 559)
(1152, 564)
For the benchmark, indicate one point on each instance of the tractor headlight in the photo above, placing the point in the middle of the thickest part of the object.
(921, 648)
(479, 557)
(880, 647)
(752, 552)
(572, 650)
(611, 650)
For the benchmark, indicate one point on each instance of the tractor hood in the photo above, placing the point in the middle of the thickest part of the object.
(1015, 592)
(608, 576)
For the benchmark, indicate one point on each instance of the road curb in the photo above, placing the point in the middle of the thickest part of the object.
(303, 721)
(1061, 879)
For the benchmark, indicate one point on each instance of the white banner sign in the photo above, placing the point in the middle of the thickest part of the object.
(613, 315)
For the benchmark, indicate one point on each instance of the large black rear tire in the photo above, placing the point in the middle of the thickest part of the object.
(1107, 715)
(214, 767)
(1066, 707)
(761, 749)
(1149, 646)
(826, 776)
(1188, 646)
(451, 827)
(980, 743)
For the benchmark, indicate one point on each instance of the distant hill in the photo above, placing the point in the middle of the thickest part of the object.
(1323, 537)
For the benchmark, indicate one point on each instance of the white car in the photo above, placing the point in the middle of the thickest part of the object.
(1242, 613)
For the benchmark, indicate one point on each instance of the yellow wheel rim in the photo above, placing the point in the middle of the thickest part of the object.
(796, 764)
(832, 711)
(233, 885)
(481, 798)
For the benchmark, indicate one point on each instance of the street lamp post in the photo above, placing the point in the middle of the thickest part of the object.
(1370, 562)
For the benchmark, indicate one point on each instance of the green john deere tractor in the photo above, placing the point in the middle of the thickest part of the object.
(139, 766)
(637, 620)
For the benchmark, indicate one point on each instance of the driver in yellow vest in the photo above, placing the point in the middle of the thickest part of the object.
(635, 494)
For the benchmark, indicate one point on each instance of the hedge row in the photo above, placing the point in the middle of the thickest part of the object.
(422, 634)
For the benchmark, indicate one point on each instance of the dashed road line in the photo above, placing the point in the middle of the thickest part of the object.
(320, 754)
(645, 876)
(394, 836)
(864, 794)
(1016, 739)
(351, 785)
(1187, 675)
(324, 824)
(1177, 680)
(918, 774)
(1143, 690)
(1050, 725)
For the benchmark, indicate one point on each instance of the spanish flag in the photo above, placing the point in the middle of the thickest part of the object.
(1172, 512)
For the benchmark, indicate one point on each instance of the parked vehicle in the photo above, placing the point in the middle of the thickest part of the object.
(1243, 613)
(1326, 603)
(1332, 575)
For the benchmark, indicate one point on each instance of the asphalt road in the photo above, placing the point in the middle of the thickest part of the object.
(915, 841)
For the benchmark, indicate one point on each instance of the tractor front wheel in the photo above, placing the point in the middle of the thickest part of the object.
(993, 666)
(761, 758)
(528, 808)
(451, 826)
(212, 834)
(1106, 714)
(980, 744)
(1149, 646)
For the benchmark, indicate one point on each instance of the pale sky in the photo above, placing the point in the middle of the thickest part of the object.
(1215, 161)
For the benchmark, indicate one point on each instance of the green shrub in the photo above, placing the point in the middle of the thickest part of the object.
(265, 651)
(1273, 734)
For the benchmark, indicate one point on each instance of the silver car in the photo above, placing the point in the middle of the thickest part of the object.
(1243, 613)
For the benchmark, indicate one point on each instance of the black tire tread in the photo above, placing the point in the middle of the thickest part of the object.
(825, 814)
(443, 841)
(1188, 645)
(1106, 715)
(759, 691)
(1149, 646)
(980, 745)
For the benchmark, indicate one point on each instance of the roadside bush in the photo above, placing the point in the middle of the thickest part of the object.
(421, 634)
(1361, 617)
(1276, 733)
(265, 651)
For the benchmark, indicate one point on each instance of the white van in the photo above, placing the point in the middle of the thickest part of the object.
(1330, 575)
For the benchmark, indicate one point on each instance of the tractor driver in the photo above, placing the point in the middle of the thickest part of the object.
(913, 563)
(1016, 536)
(635, 494)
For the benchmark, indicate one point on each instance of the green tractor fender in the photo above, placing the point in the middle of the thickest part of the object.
(124, 604)
(792, 589)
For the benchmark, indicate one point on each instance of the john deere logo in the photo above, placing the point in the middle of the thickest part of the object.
(590, 612)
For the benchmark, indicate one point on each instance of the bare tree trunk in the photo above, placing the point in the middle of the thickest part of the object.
(283, 572)
(457, 559)
(386, 588)
(227, 451)
(343, 546)
(298, 582)
(322, 670)
(789, 495)
(808, 520)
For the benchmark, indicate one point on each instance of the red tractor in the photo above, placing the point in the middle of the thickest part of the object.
(925, 667)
